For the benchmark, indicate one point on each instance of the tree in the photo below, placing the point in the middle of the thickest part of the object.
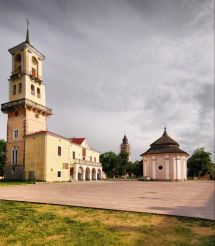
(138, 168)
(122, 164)
(117, 165)
(200, 163)
(130, 169)
(2, 156)
(109, 162)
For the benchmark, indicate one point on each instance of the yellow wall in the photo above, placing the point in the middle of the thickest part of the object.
(55, 162)
(93, 154)
(26, 68)
(35, 153)
(35, 122)
(35, 97)
(78, 152)
(42, 152)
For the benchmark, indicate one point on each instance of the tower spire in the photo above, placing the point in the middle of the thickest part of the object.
(165, 132)
(27, 33)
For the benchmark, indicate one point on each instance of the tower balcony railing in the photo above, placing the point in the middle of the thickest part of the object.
(13, 105)
(88, 163)
(18, 75)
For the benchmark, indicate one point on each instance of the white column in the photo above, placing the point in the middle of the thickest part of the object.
(179, 168)
(75, 174)
(185, 169)
(174, 168)
(167, 169)
(90, 174)
(144, 167)
(153, 169)
(182, 167)
(84, 174)
(96, 173)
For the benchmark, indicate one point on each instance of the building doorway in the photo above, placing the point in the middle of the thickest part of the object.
(80, 174)
(94, 174)
(99, 174)
(87, 174)
(71, 173)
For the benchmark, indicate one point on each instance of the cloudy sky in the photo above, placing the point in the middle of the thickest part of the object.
(120, 65)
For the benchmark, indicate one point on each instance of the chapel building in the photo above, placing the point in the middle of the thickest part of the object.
(164, 160)
(33, 152)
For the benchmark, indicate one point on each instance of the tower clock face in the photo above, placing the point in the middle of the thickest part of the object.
(18, 58)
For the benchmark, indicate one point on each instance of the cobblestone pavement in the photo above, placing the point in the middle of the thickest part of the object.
(191, 198)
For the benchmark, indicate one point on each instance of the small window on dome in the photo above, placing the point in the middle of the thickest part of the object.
(160, 167)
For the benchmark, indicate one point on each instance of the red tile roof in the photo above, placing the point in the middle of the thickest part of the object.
(78, 141)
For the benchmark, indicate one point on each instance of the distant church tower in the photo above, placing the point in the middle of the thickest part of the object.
(26, 109)
(125, 147)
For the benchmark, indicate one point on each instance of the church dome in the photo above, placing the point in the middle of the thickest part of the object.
(164, 144)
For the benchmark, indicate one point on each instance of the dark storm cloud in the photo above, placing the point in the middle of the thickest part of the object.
(133, 65)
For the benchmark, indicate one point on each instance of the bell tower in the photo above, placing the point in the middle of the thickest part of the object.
(26, 108)
(125, 147)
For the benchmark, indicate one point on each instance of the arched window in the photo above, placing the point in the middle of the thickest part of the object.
(32, 90)
(34, 60)
(14, 156)
(20, 88)
(18, 57)
(14, 89)
(17, 63)
(38, 93)
(15, 134)
(34, 67)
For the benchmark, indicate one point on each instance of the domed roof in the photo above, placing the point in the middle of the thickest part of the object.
(164, 144)
(165, 139)
(125, 140)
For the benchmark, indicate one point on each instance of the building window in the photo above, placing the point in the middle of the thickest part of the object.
(32, 90)
(13, 170)
(20, 88)
(33, 72)
(15, 134)
(59, 150)
(14, 89)
(19, 69)
(73, 154)
(34, 60)
(90, 158)
(34, 67)
(94, 159)
(14, 156)
(84, 158)
(160, 167)
(58, 174)
(38, 92)
(18, 57)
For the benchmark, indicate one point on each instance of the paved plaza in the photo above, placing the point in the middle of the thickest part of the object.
(193, 199)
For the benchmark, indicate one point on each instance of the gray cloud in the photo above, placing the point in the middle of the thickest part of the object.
(120, 65)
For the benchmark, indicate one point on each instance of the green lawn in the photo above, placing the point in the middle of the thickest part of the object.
(38, 224)
(7, 183)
